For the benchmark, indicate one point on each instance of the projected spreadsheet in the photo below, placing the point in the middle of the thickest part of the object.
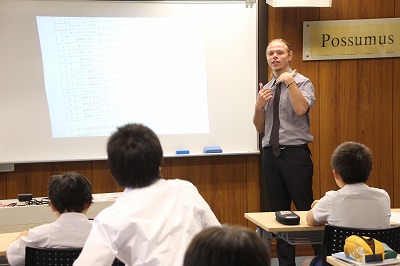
(102, 72)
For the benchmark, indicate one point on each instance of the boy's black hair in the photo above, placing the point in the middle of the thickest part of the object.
(134, 156)
(70, 192)
(353, 162)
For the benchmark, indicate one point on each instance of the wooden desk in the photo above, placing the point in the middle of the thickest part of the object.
(5, 240)
(293, 234)
(267, 221)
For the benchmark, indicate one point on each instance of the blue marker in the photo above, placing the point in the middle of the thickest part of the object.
(182, 152)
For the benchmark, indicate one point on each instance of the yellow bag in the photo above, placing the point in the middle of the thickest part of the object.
(363, 249)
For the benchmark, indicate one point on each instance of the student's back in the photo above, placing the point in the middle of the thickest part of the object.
(355, 205)
(149, 226)
(153, 221)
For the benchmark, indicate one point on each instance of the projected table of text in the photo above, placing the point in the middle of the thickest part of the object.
(102, 72)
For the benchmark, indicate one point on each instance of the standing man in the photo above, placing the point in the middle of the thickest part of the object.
(287, 164)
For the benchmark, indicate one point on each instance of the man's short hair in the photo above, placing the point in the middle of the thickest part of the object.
(352, 161)
(70, 192)
(134, 156)
(288, 46)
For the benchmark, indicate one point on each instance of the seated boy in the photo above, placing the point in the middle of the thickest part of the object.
(70, 197)
(355, 204)
(154, 219)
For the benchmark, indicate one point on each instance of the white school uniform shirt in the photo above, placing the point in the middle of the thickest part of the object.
(148, 226)
(355, 205)
(70, 230)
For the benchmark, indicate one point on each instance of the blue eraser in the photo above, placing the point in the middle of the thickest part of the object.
(182, 152)
(212, 149)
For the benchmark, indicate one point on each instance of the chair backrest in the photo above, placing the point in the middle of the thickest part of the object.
(335, 236)
(117, 262)
(51, 256)
(36, 256)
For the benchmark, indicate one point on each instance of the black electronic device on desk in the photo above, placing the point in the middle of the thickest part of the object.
(287, 217)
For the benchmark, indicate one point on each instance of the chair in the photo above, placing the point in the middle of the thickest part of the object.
(117, 262)
(335, 236)
(35, 256)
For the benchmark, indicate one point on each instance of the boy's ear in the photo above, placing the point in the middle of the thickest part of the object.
(338, 179)
(52, 207)
(335, 174)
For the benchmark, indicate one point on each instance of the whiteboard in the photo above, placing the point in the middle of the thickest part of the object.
(73, 71)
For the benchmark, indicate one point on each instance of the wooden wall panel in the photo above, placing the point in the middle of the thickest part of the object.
(375, 113)
(362, 106)
(3, 185)
(328, 121)
(33, 177)
(396, 122)
(253, 185)
(222, 180)
(102, 180)
(358, 107)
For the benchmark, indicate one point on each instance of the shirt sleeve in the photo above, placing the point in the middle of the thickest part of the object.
(16, 250)
(307, 89)
(321, 209)
(209, 218)
(15, 253)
